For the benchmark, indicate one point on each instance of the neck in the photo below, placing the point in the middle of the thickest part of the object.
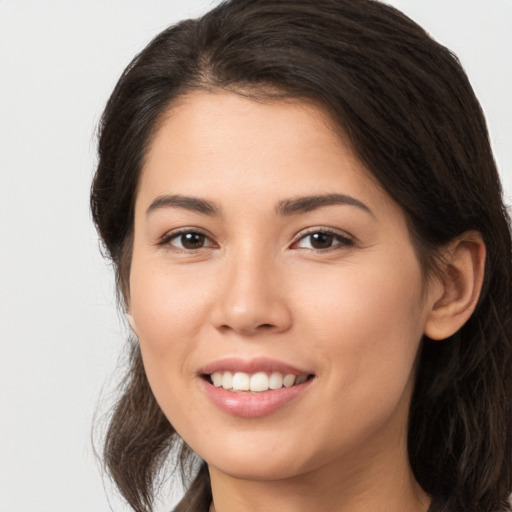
(344, 486)
(262, 498)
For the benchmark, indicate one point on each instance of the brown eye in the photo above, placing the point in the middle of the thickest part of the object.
(323, 240)
(188, 241)
(192, 240)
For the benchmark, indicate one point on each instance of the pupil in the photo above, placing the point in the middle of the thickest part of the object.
(321, 240)
(192, 240)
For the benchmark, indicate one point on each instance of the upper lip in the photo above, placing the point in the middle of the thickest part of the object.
(261, 364)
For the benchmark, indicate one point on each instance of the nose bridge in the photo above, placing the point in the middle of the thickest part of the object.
(250, 299)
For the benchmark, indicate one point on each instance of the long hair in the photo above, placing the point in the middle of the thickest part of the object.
(410, 114)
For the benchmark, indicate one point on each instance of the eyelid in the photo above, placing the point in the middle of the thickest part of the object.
(344, 239)
(165, 240)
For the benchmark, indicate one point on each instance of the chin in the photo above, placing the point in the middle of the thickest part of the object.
(256, 468)
(260, 459)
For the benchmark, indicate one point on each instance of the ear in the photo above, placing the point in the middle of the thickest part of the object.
(132, 323)
(461, 279)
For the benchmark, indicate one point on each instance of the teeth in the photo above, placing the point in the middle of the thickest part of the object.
(289, 381)
(301, 379)
(217, 379)
(241, 381)
(257, 382)
(227, 380)
(275, 381)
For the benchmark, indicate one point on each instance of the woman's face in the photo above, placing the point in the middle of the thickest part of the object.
(264, 248)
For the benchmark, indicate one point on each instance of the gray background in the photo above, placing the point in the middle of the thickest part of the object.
(60, 333)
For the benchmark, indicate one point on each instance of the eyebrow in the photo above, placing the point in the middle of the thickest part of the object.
(284, 208)
(193, 204)
(308, 203)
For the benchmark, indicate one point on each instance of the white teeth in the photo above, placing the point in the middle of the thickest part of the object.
(289, 381)
(217, 379)
(241, 381)
(257, 382)
(301, 379)
(275, 381)
(227, 380)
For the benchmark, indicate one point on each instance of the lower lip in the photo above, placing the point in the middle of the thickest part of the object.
(247, 404)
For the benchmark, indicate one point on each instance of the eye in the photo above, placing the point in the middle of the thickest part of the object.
(323, 240)
(187, 240)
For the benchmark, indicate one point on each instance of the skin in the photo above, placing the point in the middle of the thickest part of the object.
(352, 313)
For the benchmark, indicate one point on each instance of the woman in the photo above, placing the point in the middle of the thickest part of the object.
(306, 222)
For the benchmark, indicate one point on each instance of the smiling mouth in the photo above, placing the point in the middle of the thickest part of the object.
(258, 382)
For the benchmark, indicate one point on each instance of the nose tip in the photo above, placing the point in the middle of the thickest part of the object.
(249, 321)
(251, 303)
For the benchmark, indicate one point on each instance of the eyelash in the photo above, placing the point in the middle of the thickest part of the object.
(166, 240)
(343, 240)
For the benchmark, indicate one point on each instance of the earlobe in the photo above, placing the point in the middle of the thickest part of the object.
(461, 283)
(132, 323)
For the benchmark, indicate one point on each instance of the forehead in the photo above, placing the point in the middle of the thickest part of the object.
(229, 145)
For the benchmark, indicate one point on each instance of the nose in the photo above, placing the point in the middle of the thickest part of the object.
(251, 299)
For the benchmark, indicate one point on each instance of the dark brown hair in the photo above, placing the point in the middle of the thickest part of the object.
(406, 106)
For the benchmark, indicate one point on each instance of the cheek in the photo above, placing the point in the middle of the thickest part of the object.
(368, 326)
(365, 334)
(169, 307)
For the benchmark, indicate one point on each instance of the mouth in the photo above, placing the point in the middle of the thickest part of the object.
(258, 382)
(253, 388)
